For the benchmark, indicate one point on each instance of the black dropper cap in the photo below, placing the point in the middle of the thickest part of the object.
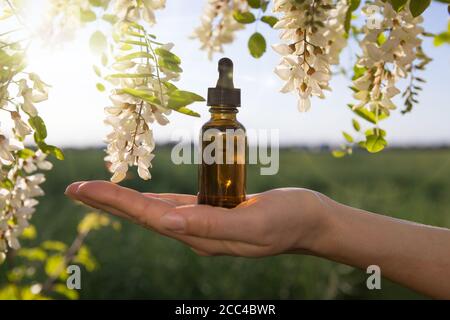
(224, 94)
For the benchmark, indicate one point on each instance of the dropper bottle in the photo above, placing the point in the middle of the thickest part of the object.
(223, 142)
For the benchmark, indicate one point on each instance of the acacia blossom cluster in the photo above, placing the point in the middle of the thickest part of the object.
(140, 96)
(62, 19)
(218, 26)
(19, 179)
(135, 10)
(389, 48)
(313, 36)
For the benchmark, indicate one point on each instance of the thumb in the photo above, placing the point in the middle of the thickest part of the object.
(211, 222)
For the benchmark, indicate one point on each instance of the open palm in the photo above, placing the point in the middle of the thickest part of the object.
(273, 222)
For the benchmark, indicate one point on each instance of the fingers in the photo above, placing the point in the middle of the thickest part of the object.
(213, 223)
(120, 201)
(178, 199)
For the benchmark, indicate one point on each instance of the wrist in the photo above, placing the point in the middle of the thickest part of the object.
(321, 231)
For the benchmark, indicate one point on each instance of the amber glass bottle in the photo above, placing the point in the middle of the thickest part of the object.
(223, 145)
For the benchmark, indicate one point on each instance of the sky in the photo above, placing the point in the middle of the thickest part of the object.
(74, 112)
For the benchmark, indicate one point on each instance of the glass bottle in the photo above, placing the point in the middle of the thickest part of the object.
(223, 145)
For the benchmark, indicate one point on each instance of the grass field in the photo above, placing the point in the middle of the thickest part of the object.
(135, 263)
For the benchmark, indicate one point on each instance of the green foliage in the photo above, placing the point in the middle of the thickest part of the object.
(40, 130)
(257, 45)
(348, 137)
(244, 17)
(353, 6)
(443, 37)
(356, 125)
(39, 272)
(270, 20)
(398, 4)
(417, 7)
(375, 143)
(138, 264)
(87, 15)
(100, 87)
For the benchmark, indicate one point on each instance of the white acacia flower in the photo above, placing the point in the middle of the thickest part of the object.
(7, 146)
(218, 27)
(387, 61)
(309, 49)
(21, 128)
(134, 10)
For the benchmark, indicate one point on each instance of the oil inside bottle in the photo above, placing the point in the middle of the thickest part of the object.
(222, 172)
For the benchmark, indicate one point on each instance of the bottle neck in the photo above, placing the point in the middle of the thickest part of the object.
(223, 113)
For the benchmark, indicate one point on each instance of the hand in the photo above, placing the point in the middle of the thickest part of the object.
(274, 222)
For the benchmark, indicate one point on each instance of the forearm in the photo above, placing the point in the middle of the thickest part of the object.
(414, 255)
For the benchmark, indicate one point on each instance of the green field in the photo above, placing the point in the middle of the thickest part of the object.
(136, 263)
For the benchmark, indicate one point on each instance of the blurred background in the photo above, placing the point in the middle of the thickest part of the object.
(410, 180)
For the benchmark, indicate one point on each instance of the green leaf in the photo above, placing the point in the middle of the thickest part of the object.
(129, 75)
(126, 47)
(165, 64)
(398, 5)
(257, 45)
(178, 100)
(375, 143)
(135, 55)
(381, 38)
(97, 71)
(338, 153)
(441, 38)
(140, 94)
(255, 4)
(353, 5)
(7, 184)
(38, 125)
(244, 17)
(25, 153)
(52, 245)
(98, 42)
(270, 20)
(32, 254)
(87, 16)
(63, 290)
(104, 59)
(356, 125)
(100, 87)
(93, 221)
(417, 7)
(135, 43)
(368, 115)
(170, 86)
(54, 151)
(375, 131)
(29, 233)
(55, 266)
(347, 137)
(111, 18)
(167, 56)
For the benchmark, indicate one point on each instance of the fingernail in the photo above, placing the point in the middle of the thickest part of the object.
(71, 190)
(173, 222)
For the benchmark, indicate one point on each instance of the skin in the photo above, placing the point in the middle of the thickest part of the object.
(288, 220)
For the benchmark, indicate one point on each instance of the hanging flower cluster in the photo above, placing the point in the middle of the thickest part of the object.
(218, 26)
(20, 182)
(389, 49)
(143, 93)
(63, 18)
(314, 35)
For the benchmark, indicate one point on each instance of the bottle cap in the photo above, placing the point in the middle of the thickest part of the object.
(224, 94)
